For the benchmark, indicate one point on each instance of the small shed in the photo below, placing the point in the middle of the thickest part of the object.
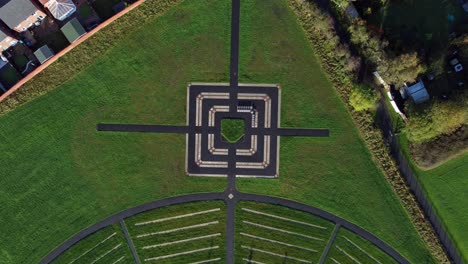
(43, 54)
(73, 30)
(417, 92)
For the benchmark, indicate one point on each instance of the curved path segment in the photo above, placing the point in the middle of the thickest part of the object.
(231, 198)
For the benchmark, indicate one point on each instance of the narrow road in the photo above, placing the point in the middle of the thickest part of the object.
(234, 66)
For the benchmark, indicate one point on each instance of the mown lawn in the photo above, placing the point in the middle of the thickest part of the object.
(279, 230)
(59, 175)
(337, 173)
(447, 188)
(178, 229)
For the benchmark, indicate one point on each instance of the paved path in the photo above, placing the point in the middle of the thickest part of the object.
(129, 242)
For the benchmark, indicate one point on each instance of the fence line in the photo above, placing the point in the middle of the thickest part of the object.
(415, 187)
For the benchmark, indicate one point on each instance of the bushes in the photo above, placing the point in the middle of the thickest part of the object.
(401, 69)
(437, 118)
(309, 14)
(85, 54)
(362, 98)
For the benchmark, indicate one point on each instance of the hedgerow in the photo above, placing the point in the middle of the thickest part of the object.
(322, 34)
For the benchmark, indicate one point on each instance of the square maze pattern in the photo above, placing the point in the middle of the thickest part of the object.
(256, 154)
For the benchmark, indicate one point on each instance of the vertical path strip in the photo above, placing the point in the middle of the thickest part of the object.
(130, 242)
(231, 199)
(234, 67)
(330, 243)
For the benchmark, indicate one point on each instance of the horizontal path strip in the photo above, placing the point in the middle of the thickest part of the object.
(275, 254)
(278, 242)
(206, 261)
(178, 229)
(181, 253)
(142, 128)
(295, 132)
(107, 253)
(362, 250)
(252, 261)
(348, 255)
(303, 132)
(178, 217)
(282, 231)
(282, 218)
(182, 241)
(89, 250)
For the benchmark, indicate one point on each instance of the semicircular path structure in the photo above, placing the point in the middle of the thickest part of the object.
(195, 229)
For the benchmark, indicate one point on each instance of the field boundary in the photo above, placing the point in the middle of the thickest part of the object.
(369, 132)
(217, 196)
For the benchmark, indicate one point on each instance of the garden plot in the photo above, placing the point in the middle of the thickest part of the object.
(106, 246)
(351, 248)
(274, 234)
(189, 233)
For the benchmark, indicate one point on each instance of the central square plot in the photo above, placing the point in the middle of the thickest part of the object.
(256, 148)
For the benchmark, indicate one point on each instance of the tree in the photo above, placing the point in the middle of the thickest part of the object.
(400, 69)
(367, 43)
(426, 122)
(362, 98)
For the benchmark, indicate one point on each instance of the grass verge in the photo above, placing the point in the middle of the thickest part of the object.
(59, 175)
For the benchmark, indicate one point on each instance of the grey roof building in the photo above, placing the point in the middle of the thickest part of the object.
(43, 54)
(18, 14)
(73, 30)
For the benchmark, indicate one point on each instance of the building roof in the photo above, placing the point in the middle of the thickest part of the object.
(418, 92)
(2, 35)
(60, 9)
(13, 12)
(73, 30)
(43, 54)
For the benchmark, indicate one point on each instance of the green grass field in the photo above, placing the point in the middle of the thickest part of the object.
(447, 188)
(232, 129)
(336, 173)
(59, 175)
(349, 248)
(105, 246)
(180, 229)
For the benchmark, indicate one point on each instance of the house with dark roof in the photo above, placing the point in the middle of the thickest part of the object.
(6, 41)
(20, 15)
